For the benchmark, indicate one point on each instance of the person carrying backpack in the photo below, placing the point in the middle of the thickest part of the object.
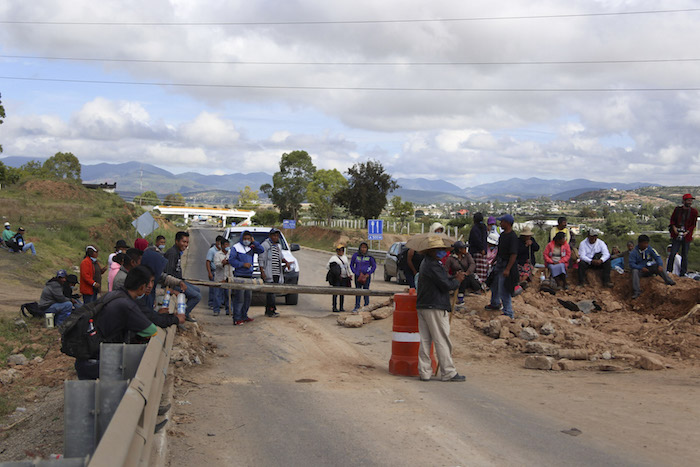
(113, 318)
(339, 274)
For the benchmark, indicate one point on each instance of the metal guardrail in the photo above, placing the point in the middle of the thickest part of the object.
(379, 255)
(111, 421)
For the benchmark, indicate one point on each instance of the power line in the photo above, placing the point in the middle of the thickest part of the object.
(347, 88)
(363, 21)
(241, 62)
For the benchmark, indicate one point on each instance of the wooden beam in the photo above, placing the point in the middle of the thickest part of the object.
(257, 285)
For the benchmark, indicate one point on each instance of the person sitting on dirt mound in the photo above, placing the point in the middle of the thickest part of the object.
(433, 306)
(594, 254)
(72, 281)
(52, 299)
(526, 255)
(461, 260)
(556, 258)
(15, 241)
(645, 262)
(560, 227)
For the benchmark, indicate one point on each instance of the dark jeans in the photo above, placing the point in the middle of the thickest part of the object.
(89, 298)
(469, 282)
(271, 298)
(584, 266)
(678, 245)
(410, 278)
(344, 282)
(220, 299)
(362, 286)
(87, 369)
(637, 273)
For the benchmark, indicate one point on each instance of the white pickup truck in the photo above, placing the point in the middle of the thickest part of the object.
(260, 234)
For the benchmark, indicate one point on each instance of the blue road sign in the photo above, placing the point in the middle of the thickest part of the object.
(375, 229)
(289, 224)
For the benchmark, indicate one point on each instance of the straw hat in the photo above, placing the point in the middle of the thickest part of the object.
(435, 241)
(527, 231)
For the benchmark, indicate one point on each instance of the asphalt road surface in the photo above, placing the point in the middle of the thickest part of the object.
(301, 391)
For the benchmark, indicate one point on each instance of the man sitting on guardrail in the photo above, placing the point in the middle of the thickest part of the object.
(119, 318)
(174, 268)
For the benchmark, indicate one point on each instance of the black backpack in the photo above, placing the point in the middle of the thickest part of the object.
(31, 310)
(402, 258)
(76, 340)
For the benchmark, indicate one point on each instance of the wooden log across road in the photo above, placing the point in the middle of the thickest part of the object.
(257, 285)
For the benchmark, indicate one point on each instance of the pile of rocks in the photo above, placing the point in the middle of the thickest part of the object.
(191, 347)
(367, 314)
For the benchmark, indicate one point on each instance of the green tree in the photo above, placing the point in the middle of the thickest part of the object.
(587, 212)
(63, 165)
(620, 223)
(9, 175)
(400, 209)
(2, 116)
(266, 217)
(367, 189)
(288, 189)
(321, 192)
(149, 198)
(247, 197)
(174, 200)
(32, 169)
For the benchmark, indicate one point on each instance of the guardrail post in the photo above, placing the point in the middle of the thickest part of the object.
(80, 419)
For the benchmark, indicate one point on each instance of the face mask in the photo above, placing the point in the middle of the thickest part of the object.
(227, 249)
(441, 254)
(245, 242)
(161, 247)
(139, 297)
(94, 260)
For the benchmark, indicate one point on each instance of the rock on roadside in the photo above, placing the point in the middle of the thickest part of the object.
(17, 359)
(539, 362)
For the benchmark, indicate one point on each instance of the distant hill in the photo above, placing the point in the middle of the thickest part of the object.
(427, 197)
(423, 184)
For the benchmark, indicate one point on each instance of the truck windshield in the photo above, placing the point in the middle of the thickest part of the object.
(259, 237)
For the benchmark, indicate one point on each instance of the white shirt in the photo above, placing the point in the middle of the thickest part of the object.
(222, 270)
(586, 250)
(344, 264)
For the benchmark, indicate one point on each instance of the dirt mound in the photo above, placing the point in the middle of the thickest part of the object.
(55, 189)
(623, 334)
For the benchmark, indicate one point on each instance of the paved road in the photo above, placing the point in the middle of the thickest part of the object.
(301, 391)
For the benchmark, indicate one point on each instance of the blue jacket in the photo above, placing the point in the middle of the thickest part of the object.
(640, 259)
(362, 264)
(240, 255)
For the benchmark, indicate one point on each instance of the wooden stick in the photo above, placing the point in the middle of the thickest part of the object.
(256, 285)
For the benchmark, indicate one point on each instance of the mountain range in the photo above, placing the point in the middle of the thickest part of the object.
(136, 177)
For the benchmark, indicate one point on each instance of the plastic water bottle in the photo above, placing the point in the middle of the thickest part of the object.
(91, 328)
(181, 304)
(542, 278)
(166, 299)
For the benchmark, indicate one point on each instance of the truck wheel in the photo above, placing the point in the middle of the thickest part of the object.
(387, 277)
(291, 299)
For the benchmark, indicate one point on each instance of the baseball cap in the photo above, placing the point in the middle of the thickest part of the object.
(339, 246)
(90, 247)
(594, 232)
(274, 230)
(61, 273)
(121, 244)
(458, 245)
(491, 220)
(687, 196)
(7, 224)
(21, 229)
(508, 218)
(72, 279)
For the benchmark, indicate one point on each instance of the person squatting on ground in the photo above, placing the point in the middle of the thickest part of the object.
(593, 254)
(53, 300)
(645, 262)
(90, 275)
(363, 266)
(461, 260)
(120, 317)
(242, 259)
(505, 272)
(174, 268)
(222, 270)
(433, 306)
(556, 256)
(682, 225)
(272, 266)
(339, 274)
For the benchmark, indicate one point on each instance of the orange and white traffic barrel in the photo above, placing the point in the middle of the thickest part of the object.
(405, 341)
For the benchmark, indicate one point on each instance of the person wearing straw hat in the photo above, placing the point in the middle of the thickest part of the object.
(526, 254)
(433, 306)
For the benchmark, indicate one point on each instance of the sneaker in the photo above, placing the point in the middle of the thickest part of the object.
(228, 313)
(248, 320)
(636, 295)
(355, 310)
(217, 313)
(342, 310)
(460, 299)
(272, 314)
(492, 307)
(335, 310)
(190, 319)
(425, 379)
(238, 323)
(456, 379)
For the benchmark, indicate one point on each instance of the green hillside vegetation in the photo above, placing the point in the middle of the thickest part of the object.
(61, 218)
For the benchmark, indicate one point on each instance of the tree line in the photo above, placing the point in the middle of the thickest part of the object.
(363, 193)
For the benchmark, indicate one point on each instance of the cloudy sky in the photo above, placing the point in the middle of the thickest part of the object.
(469, 92)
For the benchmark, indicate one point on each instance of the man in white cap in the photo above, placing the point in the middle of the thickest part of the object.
(433, 306)
(593, 253)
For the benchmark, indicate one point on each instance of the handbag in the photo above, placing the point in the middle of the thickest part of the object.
(362, 278)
